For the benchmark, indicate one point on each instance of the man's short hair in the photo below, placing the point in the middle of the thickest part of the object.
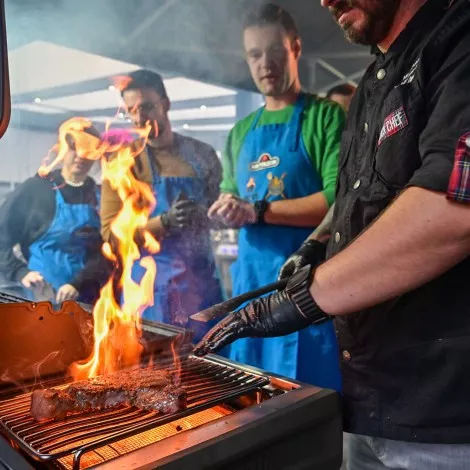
(345, 89)
(271, 14)
(145, 79)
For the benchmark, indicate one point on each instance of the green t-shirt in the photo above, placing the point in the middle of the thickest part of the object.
(322, 126)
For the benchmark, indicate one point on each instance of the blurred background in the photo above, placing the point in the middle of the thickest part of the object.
(63, 54)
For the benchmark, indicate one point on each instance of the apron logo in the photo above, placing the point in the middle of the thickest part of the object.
(276, 186)
(251, 185)
(264, 162)
(393, 123)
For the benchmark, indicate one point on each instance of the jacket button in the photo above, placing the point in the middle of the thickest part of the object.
(337, 237)
(346, 355)
(381, 74)
(366, 127)
(357, 184)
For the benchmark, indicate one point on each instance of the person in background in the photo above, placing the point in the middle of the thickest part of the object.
(55, 221)
(184, 174)
(342, 94)
(314, 249)
(280, 169)
(396, 278)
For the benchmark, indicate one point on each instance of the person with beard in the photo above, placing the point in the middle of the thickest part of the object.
(280, 169)
(396, 277)
(184, 175)
(55, 221)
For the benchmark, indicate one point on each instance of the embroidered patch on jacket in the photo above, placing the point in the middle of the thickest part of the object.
(459, 182)
(393, 123)
(264, 162)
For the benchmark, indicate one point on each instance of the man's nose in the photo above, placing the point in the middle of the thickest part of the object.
(141, 118)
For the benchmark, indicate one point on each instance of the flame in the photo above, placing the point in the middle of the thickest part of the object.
(117, 325)
(117, 328)
(117, 322)
(87, 145)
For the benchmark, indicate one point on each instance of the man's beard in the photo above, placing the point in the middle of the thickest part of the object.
(379, 17)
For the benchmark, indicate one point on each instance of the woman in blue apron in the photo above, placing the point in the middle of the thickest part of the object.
(186, 280)
(310, 355)
(62, 252)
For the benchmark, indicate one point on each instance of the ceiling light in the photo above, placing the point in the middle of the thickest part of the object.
(121, 115)
(203, 107)
(185, 126)
(37, 100)
(111, 87)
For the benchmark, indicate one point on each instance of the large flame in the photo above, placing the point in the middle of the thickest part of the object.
(117, 327)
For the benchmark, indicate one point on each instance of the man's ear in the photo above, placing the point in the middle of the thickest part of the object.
(297, 47)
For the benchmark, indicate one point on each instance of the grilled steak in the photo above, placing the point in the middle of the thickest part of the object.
(144, 388)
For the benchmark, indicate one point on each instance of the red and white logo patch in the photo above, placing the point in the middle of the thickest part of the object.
(393, 123)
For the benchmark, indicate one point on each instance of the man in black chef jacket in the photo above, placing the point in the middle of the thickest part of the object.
(55, 221)
(398, 270)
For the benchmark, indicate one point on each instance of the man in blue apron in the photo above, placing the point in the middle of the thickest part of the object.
(55, 221)
(280, 170)
(185, 175)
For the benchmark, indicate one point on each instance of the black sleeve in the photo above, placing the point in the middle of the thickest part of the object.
(448, 108)
(24, 217)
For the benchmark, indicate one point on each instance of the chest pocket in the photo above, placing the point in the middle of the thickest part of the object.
(401, 121)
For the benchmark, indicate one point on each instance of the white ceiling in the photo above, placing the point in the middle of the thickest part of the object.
(41, 66)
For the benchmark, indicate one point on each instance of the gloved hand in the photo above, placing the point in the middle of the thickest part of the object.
(183, 214)
(311, 252)
(274, 315)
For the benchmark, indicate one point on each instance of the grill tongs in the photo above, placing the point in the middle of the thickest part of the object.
(232, 304)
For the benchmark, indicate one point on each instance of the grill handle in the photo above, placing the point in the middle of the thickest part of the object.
(229, 305)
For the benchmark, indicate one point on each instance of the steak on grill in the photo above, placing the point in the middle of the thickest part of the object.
(147, 389)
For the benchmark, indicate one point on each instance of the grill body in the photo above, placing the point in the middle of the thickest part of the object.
(237, 416)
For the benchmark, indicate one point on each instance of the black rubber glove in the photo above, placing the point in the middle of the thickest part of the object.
(184, 214)
(311, 252)
(274, 315)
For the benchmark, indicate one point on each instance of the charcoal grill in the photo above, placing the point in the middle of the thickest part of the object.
(237, 416)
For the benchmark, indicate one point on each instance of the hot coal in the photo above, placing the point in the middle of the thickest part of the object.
(144, 388)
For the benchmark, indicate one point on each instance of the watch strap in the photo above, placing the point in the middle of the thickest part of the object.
(299, 293)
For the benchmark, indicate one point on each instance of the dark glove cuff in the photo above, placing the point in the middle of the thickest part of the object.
(165, 220)
(298, 291)
(314, 244)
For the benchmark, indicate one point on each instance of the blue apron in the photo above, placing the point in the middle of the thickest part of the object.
(186, 280)
(274, 165)
(61, 253)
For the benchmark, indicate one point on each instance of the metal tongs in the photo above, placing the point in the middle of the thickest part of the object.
(232, 304)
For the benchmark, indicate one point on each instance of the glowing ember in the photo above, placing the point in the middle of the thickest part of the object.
(117, 328)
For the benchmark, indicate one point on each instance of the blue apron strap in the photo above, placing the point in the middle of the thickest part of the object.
(256, 119)
(58, 194)
(296, 122)
(155, 175)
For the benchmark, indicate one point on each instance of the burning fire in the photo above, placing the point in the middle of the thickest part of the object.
(117, 328)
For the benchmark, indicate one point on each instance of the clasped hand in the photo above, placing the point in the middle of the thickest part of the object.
(232, 211)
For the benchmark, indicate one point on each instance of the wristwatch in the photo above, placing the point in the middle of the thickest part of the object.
(297, 288)
(260, 208)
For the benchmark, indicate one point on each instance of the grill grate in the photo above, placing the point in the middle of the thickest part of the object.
(207, 382)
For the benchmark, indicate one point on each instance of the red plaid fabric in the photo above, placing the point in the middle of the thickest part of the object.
(459, 182)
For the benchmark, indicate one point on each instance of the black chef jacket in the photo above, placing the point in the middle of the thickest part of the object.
(406, 363)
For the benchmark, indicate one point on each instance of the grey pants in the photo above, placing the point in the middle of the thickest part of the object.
(370, 453)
